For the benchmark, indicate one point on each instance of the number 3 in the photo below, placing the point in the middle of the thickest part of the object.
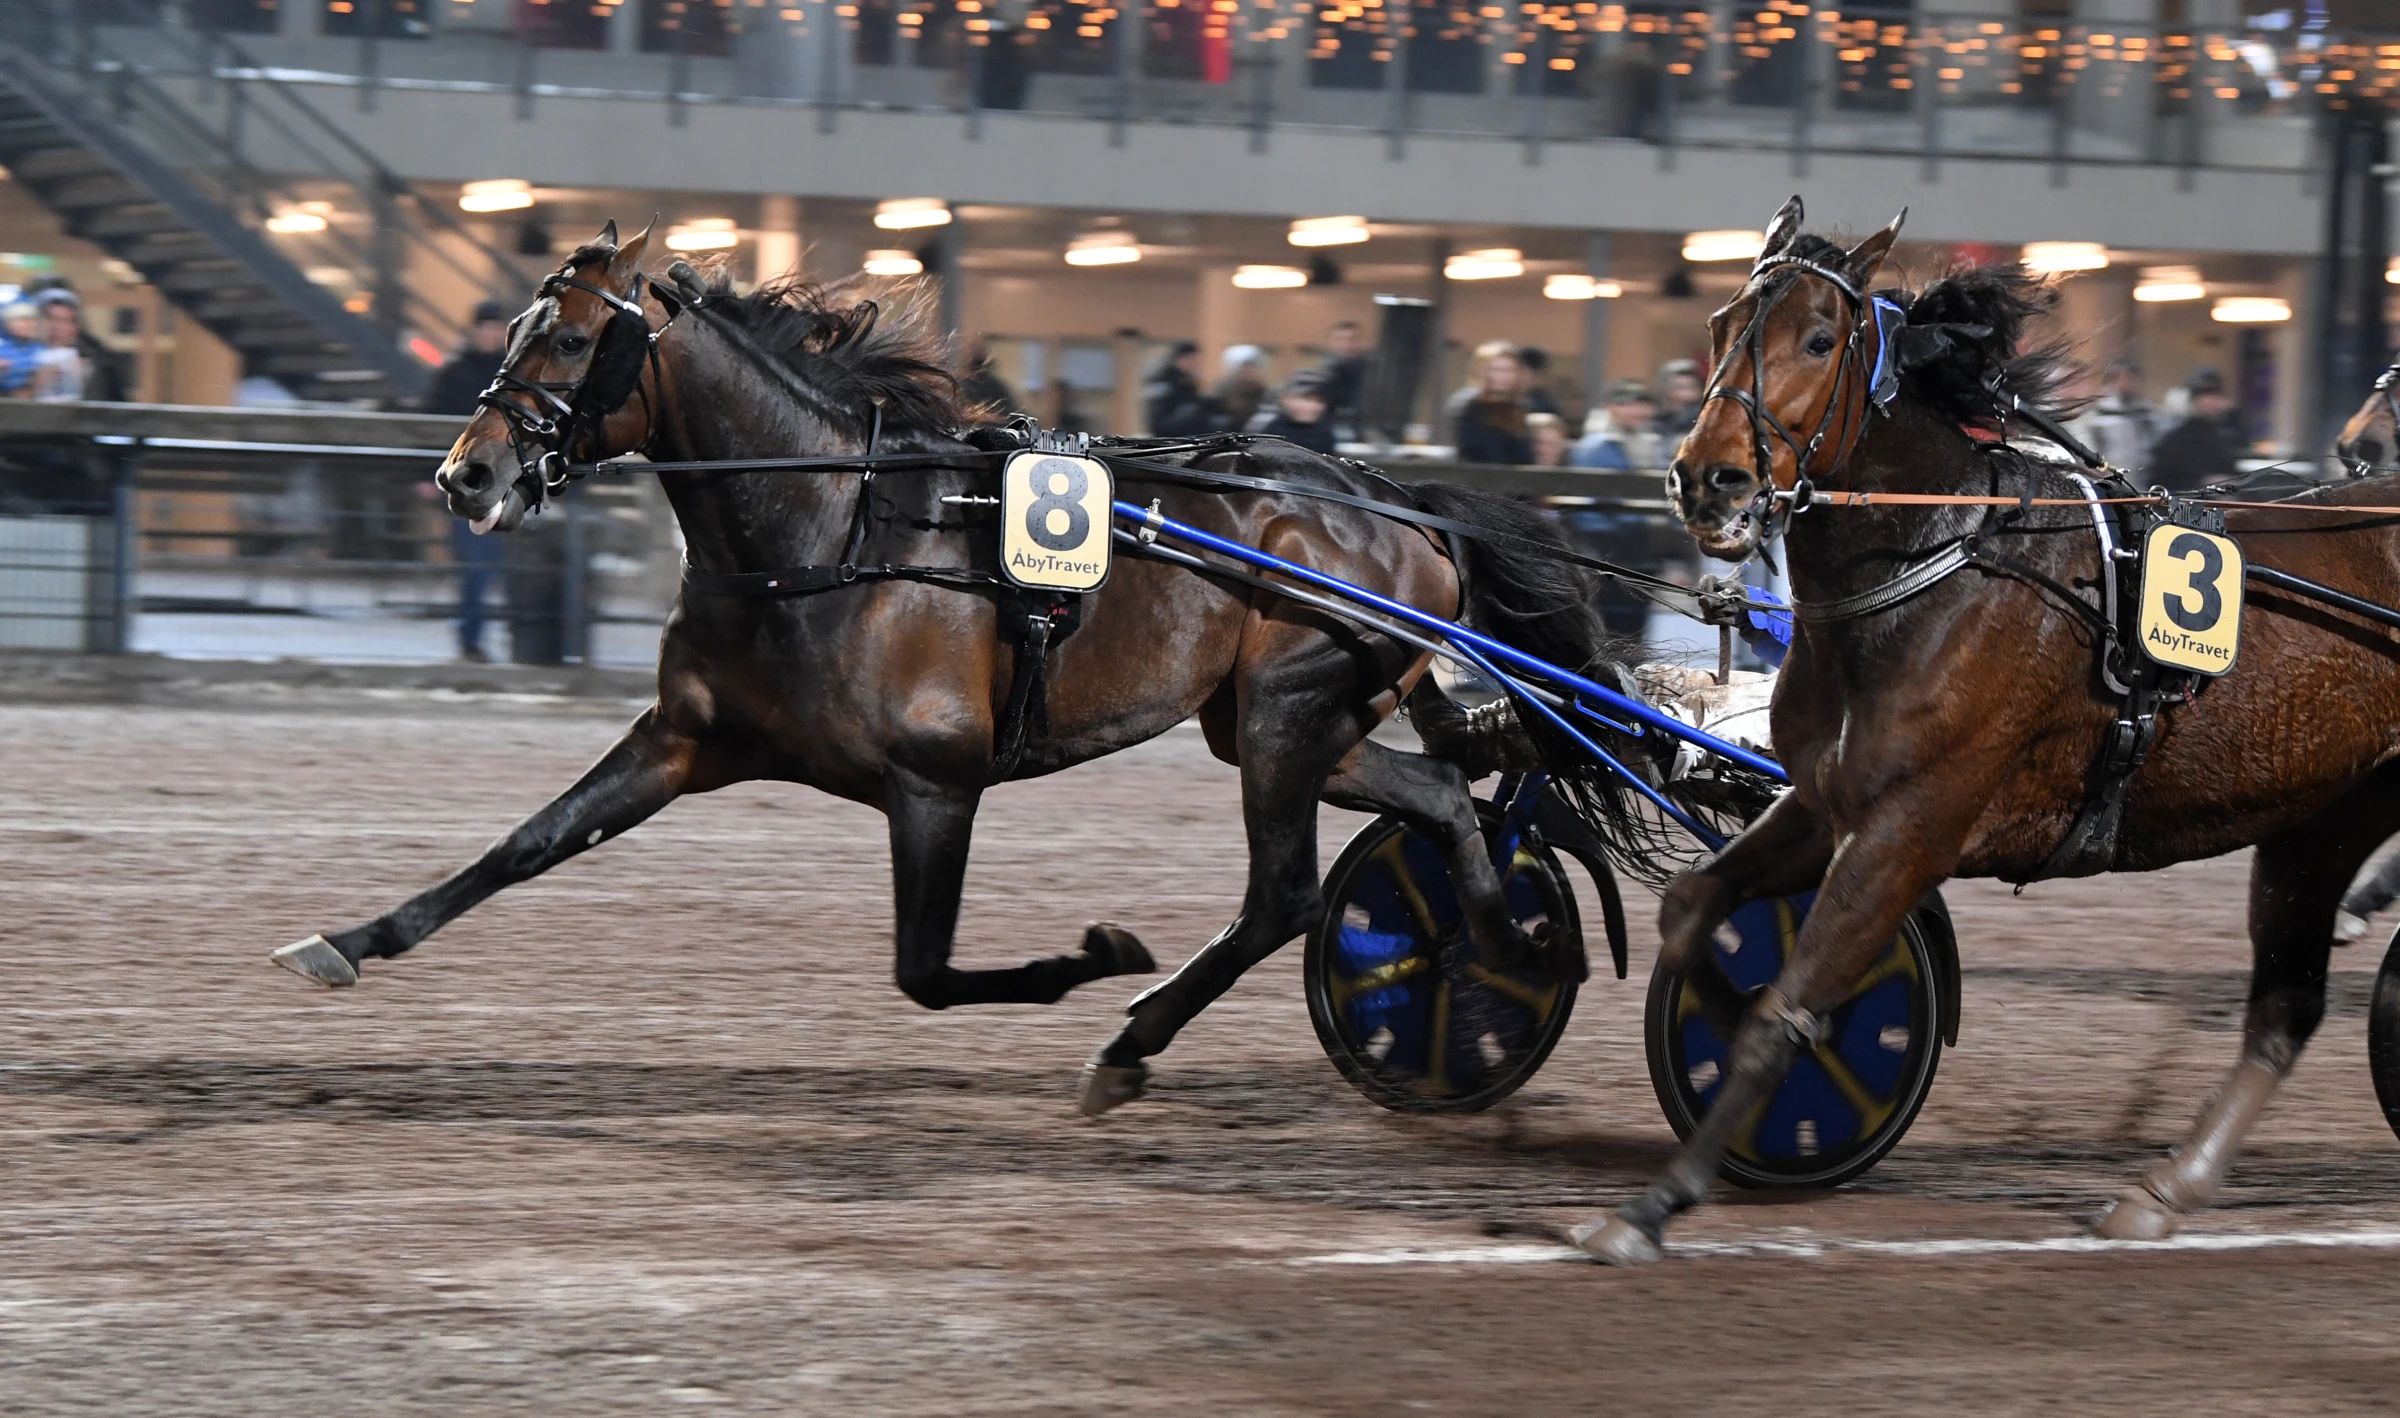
(1047, 500)
(2202, 618)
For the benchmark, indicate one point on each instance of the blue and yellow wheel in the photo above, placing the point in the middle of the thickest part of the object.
(1412, 1012)
(1846, 1102)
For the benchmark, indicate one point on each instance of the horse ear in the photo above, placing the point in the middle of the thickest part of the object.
(630, 254)
(607, 236)
(1866, 258)
(1781, 230)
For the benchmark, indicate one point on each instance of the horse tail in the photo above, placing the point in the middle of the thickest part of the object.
(1519, 591)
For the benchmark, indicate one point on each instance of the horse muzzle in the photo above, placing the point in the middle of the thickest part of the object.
(473, 490)
(1721, 507)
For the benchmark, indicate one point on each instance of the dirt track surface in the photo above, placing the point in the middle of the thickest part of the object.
(657, 1131)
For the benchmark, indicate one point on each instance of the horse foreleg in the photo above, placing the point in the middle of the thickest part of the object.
(1877, 877)
(932, 824)
(645, 770)
(2296, 883)
(1784, 851)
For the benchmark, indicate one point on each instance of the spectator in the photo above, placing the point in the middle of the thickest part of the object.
(1491, 428)
(103, 369)
(2205, 447)
(1243, 387)
(62, 371)
(469, 372)
(453, 391)
(981, 386)
(1466, 393)
(20, 348)
(1537, 379)
(1548, 433)
(2122, 427)
(1301, 413)
(1345, 375)
(1172, 398)
(1621, 435)
(1679, 391)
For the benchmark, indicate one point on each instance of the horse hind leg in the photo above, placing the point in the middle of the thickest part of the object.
(2296, 884)
(931, 826)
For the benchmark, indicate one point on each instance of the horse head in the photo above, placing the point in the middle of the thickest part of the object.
(566, 387)
(1792, 354)
(2370, 442)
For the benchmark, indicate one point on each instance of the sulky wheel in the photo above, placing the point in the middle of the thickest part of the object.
(1847, 1102)
(1407, 1007)
(2383, 1035)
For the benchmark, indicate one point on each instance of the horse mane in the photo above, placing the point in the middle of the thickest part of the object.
(864, 340)
(1955, 382)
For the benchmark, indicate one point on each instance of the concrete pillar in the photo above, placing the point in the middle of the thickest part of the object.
(1435, 389)
(950, 249)
(1220, 326)
(1596, 253)
(624, 27)
(776, 247)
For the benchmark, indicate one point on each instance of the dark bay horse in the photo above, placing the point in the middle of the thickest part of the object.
(1958, 731)
(887, 692)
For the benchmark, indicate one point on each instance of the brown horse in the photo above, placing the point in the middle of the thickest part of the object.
(2370, 441)
(890, 691)
(1956, 731)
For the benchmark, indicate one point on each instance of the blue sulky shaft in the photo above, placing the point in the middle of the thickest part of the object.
(1635, 709)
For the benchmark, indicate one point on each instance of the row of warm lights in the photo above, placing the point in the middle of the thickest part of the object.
(2156, 285)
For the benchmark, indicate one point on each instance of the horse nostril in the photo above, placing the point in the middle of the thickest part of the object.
(465, 477)
(1725, 477)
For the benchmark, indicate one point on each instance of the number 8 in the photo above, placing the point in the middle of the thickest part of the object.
(1047, 501)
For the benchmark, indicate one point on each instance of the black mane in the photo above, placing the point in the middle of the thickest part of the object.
(862, 340)
(2006, 298)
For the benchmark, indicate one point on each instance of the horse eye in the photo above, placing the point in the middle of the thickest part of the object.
(1820, 344)
(572, 344)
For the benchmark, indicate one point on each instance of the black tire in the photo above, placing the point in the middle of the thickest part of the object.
(2383, 1035)
(1847, 1104)
(1400, 1042)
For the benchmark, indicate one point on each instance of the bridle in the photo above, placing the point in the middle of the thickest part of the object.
(542, 430)
(1772, 507)
(2388, 385)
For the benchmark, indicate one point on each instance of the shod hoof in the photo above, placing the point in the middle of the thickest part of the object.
(1118, 949)
(316, 958)
(1617, 1241)
(2136, 1215)
(1105, 1086)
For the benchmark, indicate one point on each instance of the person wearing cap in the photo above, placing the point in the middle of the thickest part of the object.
(2206, 447)
(1172, 397)
(469, 372)
(1300, 414)
(1619, 435)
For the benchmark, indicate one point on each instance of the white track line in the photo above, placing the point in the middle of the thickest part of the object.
(2374, 1239)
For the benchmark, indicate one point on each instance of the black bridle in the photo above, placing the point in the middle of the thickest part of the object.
(2388, 385)
(542, 430)
(1882, 383)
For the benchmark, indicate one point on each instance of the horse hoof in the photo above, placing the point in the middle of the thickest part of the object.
(1105, 1086)
(316, 958)
(1118, 949)
(1617, 1241)
(2137, 1216)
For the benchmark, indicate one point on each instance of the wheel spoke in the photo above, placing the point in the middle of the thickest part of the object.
(1376, 977)
(1437, 1042)
(1539, 1001)
(1395, 861)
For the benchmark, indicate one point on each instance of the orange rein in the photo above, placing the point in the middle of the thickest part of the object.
(1822, 498)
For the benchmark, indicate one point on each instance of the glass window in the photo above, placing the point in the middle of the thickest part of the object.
(381, 19)
(688, 26)
(564, 24)
(234, 16)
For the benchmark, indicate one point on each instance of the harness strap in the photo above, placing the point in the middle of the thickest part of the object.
(1914, 578)
(809, 580)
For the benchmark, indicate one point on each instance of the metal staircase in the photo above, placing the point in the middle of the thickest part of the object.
(244, 205)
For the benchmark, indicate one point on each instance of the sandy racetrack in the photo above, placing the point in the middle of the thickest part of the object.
(657, 1130)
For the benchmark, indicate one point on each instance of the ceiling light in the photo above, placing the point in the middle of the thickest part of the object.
(2251, 310)
(1328, 231)
(1269, 277)
(891, 263)
(2170, 283)
(2391, 273)
(497, 194)
(909, 213)
(1497, 263)
(1724, 245)
(294, 222)
(2052, 258)
(1103, 248)
(1573, 287)
(703, 234)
